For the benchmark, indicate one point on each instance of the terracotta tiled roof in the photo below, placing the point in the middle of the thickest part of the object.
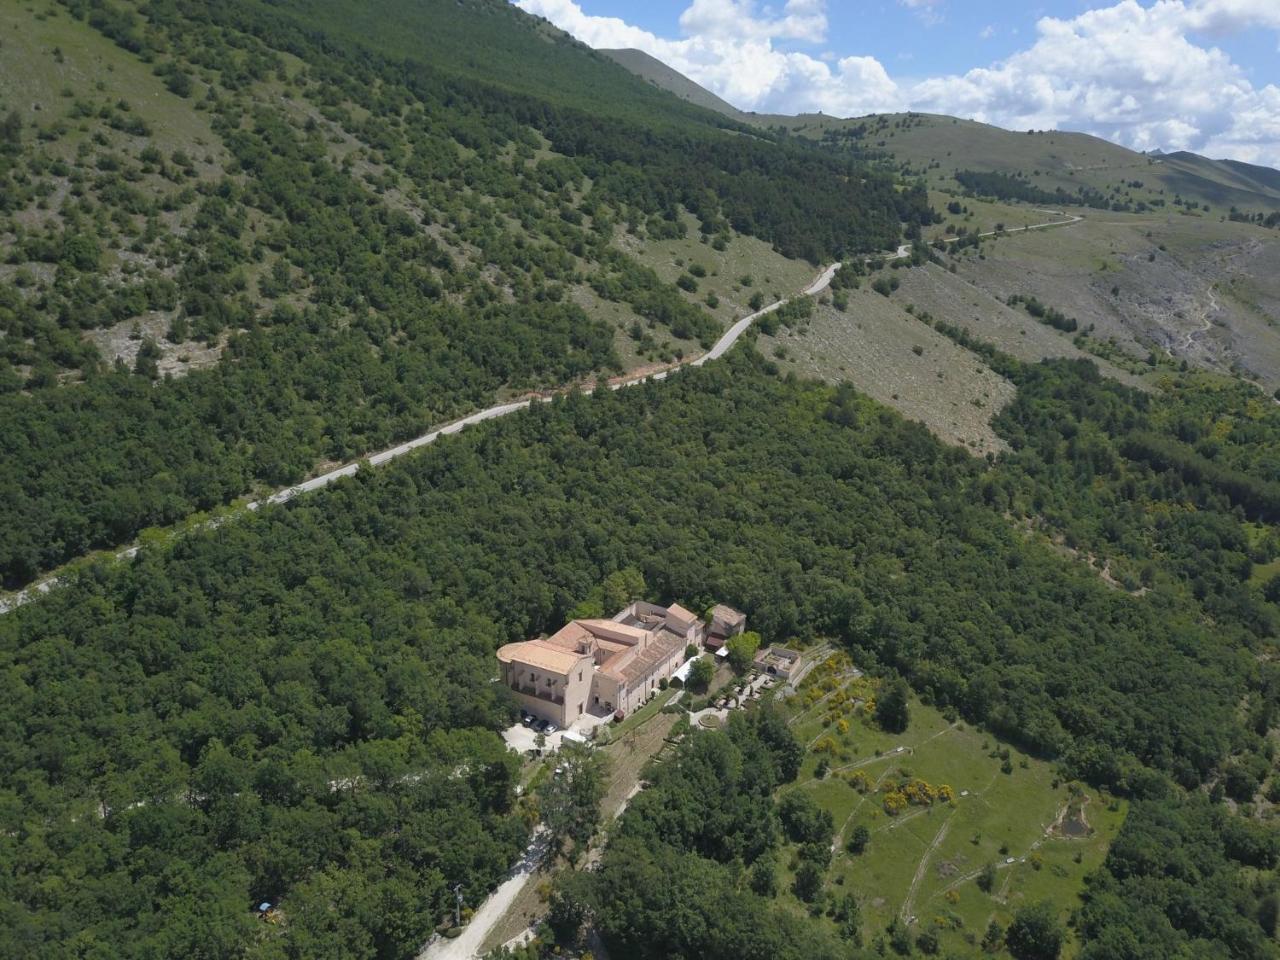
(727, 614)
(540, 654)
(611, 628)
(680, 613)
(630, 669)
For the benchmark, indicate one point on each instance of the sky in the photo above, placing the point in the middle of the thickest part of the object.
(1200, 75)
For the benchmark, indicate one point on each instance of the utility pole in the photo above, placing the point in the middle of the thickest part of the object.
(457, 910)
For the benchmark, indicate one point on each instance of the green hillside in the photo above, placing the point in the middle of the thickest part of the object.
(1082, 168)
(378, 228)
(1011, 481)
(665, 78)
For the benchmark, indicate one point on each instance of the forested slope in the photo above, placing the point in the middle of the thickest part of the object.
(337, 231)
(228, 681)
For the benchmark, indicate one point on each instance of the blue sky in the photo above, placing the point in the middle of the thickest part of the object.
(1202, 75)
(958, 35)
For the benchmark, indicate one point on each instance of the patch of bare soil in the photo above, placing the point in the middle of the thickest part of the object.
(123, 341)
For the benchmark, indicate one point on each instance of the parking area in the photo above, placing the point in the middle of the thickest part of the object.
(523, 737)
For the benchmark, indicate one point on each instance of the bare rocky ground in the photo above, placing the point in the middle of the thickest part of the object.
(125, 339)
(1189, 288)
(962, 300)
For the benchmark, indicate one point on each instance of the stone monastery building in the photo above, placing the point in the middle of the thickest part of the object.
(600, 666)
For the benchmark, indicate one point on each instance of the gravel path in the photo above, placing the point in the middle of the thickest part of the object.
(467, 944)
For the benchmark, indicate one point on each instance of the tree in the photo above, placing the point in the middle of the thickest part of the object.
(572, 903)
(1035, 933)
(81, 251)
(891, 706)
(764, 875)
(848, 919)
(570, 799)
(145, 364)
(620, 588)
(987, 877)
(11, 132)
(742, 650)
(808, 882)
(993, 938)
(700, 674)
(858, 840)
(803, 821)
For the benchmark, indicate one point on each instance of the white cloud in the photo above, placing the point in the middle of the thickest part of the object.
(1228, 16)
(1129, 72)
(926, 10)
(733, 49)
(987, 32)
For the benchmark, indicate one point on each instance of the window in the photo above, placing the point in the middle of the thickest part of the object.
(579, 709)
(579, 676)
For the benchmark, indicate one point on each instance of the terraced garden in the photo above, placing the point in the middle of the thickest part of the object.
(982, 829)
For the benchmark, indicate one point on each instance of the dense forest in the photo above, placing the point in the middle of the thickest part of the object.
(1007, 186)
(286, 671)
(370, 241)
(368, 231)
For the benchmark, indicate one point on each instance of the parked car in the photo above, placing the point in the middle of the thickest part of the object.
(541, 725)
(527, 719)
(550, 727)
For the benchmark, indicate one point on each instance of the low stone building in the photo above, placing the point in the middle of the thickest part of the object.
(780, 662)
(726, 622)
(599, 666)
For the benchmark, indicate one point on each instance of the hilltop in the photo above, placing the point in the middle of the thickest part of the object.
(664, 77)
(1173, 258)
(938, 147)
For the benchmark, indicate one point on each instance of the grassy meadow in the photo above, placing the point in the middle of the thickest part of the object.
(924, 865)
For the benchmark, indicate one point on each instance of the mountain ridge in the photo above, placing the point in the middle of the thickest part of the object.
(1227, 182)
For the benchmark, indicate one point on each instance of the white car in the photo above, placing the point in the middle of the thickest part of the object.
(550, 727)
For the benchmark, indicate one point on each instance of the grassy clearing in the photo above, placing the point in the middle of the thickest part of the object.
(770, 273)
(60, 59)
(925, 862)
(1262, 572)
(901, 362)
(982, 216)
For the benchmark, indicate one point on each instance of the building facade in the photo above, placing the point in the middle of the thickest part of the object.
(599, 666)
(726, 622)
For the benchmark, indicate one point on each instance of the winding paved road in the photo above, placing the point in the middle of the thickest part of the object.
(726, 341)
(721, 347)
